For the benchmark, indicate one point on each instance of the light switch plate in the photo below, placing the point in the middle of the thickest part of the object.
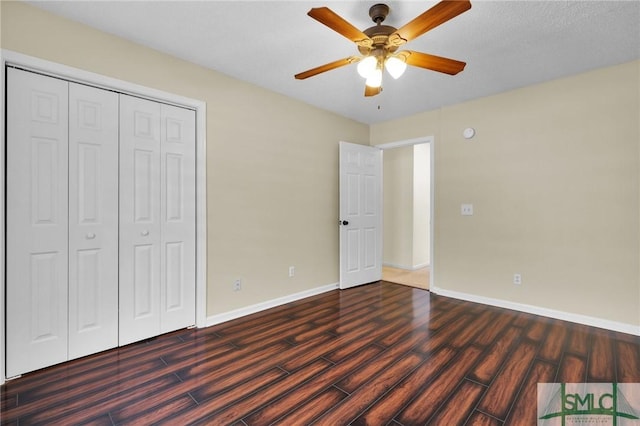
(466, 209)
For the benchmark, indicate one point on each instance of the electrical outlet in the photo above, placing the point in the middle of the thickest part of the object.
(292, 271)
(466, 209)
(517, 279)
(237, 285)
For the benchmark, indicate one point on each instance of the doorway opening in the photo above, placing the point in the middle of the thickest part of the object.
(407, 212)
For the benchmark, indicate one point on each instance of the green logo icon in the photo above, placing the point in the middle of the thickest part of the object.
(564, 404)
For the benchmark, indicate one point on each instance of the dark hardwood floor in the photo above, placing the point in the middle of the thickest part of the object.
(380, 354)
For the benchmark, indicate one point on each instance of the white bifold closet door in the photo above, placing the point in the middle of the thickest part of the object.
(62, 286)
(93, 220)
(157, 218)
(100, 220)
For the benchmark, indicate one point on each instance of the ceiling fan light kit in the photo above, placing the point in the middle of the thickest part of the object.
(366, 66)
(375, 78)
(378, 44)
(395, 66)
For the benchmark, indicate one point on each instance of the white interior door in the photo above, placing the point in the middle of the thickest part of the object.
(37, 221)
(93, 220)
(178, 217)
(139, 219)
(360, 214)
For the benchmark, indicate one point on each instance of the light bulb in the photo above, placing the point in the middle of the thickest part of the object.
(375, 78)
(395, 66)
(367, 66)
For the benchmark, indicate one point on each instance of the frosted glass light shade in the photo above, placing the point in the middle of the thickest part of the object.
(367, 66)
(395, 66)
(375, 78)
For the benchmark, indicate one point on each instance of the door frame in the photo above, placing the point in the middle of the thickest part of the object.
(30, 63)
(432, 181)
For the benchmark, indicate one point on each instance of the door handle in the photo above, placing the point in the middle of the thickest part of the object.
(144, 233)
(344, 222)
(90, 236)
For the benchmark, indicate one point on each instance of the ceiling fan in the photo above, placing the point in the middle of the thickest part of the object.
(378, 45)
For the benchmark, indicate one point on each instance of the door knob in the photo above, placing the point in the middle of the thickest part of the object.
(144, 233)
(91, 236)
(345, 222)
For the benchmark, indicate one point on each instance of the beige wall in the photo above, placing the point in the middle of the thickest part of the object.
(272, 162)
(553, 174)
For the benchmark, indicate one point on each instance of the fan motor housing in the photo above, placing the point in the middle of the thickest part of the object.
(379, 34)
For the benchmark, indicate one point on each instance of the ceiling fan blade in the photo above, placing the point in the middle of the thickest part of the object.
(327, 67)
(432, 62)
(437, 15)
(334, 21)
(372, 91)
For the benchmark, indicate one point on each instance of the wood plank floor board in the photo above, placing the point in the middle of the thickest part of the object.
(422, 407)
(445, 334)
(552, 347)
(504, 320)
(602, 363)
(162, 409)
(331, 344)
(398, 397)
(628, 357)
(379, 354)
(573, 369)
(472, 334)
(361, 373)
(505, 386)
(380, 332)
(364, 396)
(221, 366)
(98, 364)
(314, 386)
(524, 409)
(213, 410)
(69, 394)
(579, 342)
(444, 317)
(538, 329)
(229, 397)
(310, 409)
(462, 402)
(103, 401)
(482, 419)
(494, 357)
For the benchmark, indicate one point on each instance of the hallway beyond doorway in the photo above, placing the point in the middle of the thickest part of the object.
(418, 278)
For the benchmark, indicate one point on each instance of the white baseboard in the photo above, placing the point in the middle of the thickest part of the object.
(248, 310)
(405, 267)
(537, 310)
(420, 266)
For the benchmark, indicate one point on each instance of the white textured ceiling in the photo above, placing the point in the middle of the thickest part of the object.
(506, 44)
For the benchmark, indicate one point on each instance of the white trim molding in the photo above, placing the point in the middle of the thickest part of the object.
(405, 267)
(538, 310)
(406, 142)
(30, 63)
(258, 307)
(2, 219)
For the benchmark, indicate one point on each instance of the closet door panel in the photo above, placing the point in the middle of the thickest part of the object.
(93, 220)
(37, 221)
(139, 219)
(178, 216)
